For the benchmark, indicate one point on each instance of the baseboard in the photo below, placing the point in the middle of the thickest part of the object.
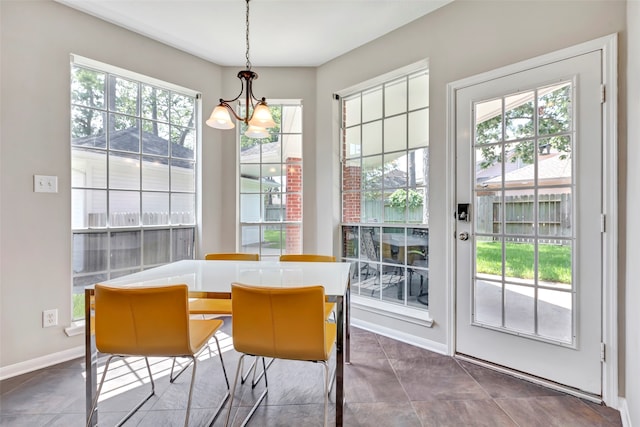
(624, 412)
(40, 362)
(400, 336)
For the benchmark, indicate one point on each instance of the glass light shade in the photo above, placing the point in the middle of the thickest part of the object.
(256, 132)
(262, 116)
(220, 118)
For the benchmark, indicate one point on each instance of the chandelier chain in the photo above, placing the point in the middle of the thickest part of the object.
(247, 37)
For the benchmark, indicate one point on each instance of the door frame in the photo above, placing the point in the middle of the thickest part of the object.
(608, 46)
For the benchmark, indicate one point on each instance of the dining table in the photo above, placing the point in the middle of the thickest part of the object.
(213, 279)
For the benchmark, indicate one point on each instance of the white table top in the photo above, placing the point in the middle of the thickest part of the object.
(217, 276)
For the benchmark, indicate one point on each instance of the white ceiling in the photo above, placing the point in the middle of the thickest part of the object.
(282, 32)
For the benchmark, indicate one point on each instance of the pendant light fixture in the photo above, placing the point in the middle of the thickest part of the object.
(258, 117)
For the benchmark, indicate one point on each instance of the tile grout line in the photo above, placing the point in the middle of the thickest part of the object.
(486, 391)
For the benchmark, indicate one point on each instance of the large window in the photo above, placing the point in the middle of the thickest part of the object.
(133, 167)
(271, 185)
(385, 189)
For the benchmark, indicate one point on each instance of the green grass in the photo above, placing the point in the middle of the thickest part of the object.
(554, 261)
(78, 306)
(274, 238)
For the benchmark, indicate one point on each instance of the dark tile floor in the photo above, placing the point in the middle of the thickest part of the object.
(389, 383)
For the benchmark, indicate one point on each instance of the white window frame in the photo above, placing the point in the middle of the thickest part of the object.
(404, 312)
(173, 223)
(250, 229)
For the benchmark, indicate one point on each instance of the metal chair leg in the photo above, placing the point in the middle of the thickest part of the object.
(138, 406)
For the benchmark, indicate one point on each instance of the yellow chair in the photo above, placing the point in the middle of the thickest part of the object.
(329, 306)
(283, 323)
(199, 304)
(150, 321)
(220, 306)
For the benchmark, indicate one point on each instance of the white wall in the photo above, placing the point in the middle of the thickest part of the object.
(37, 38)
(632, 354)
(459, 40)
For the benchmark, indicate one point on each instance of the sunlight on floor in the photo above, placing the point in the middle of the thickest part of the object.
(128, 373)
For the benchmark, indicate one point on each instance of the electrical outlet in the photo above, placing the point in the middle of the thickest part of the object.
(45, 184)
(49, 318)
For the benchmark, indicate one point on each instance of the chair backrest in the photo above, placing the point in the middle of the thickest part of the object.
(142, 321)
(368, 246)
(232, 256)
(307, 258)
(286, 323)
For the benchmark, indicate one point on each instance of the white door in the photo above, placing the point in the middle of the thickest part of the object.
(529, 253)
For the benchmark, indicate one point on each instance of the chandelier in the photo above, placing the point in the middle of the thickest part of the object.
(258, 117)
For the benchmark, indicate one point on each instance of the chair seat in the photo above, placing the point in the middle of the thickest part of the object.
(331, 332)
(328, 308)
(201, 331)
(210, 306)
(223, 306)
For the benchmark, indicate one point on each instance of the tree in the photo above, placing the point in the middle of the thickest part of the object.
(164, 114)
(554, 115)
(274, 132)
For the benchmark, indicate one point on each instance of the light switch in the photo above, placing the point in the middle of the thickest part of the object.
(45, 184)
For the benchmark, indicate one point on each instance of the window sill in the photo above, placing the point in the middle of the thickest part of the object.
(76, 328)
(404, 313)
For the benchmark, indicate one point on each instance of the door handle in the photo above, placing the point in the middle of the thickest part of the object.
(464, 236)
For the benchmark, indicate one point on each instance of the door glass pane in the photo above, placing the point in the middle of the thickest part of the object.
(554, 314)
(555, 265)
(519, 211)
(519, 308)
(488, 121)
(88, 168)
(518, 115)
(523, 214)
(487, 302)
(555, 109)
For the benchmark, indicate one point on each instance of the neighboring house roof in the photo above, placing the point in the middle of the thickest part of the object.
(128, 140)
(550, 167)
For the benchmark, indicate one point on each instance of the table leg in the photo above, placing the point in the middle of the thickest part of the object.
(343, 349)
(90, 359)
(340, 347)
